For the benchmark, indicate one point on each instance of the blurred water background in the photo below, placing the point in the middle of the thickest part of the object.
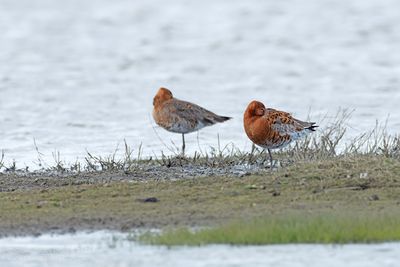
(79, 76)
(114, 249)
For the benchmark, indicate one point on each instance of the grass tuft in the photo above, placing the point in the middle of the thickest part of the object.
(294, 228)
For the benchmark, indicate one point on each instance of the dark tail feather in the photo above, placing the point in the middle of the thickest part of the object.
(222, 118)
(215, 119)
(312, 126)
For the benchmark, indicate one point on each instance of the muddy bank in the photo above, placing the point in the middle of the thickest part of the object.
(21, 180)
(172, 197)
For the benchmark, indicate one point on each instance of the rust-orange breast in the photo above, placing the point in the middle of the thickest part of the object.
(261, 131)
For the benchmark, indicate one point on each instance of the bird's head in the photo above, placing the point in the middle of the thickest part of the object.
(255, 109)
(162, 95)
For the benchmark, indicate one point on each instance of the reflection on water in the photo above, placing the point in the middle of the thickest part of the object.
(113, 249)
(80, 75)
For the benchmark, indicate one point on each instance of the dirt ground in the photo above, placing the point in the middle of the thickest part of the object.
(158, 197)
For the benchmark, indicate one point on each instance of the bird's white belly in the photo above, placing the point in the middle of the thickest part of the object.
(183, 127)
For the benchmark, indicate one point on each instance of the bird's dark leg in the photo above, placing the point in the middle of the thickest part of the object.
(183, 145)
(270, 158)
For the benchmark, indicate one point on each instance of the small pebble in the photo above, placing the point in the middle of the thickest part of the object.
(276, 193)
(373, 197)
(148, 200)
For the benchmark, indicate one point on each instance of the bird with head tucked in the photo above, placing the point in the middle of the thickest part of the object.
(182, 117)
(273, 129)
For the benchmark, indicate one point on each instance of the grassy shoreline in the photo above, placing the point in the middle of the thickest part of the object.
(342, 185)
(295, 228)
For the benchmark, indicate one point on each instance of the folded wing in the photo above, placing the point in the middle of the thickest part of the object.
(192, 112)
(284, 124)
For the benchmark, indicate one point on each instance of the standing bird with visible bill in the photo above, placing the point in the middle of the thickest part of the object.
(273, 129)
(182, 117)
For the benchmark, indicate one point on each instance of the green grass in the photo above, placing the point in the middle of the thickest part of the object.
(295, 228)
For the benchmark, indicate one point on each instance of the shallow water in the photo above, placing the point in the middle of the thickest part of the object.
(80, 75)
(113, 249)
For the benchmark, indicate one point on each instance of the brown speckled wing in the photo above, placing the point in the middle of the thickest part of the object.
(278, 121)
(283, 123)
